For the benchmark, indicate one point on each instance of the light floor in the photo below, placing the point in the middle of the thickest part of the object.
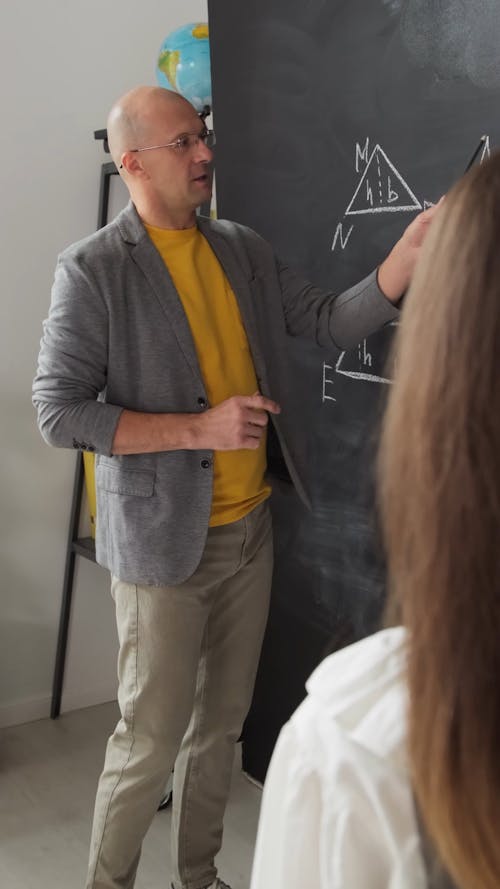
(48, 776)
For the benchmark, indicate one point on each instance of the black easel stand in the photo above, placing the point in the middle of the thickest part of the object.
(77, 546)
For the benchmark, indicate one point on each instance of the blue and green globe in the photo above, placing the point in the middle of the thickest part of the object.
(184, 64)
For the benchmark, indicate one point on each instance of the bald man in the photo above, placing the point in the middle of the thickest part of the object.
(164, 353)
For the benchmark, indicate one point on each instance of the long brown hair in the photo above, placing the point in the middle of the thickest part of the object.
(439, 487)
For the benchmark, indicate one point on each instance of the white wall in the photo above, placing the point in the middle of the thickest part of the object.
(62, 64)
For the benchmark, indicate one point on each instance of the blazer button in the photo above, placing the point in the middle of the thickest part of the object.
(202, 402)
(205, 464)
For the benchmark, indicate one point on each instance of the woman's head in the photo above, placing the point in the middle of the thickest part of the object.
(439, 483)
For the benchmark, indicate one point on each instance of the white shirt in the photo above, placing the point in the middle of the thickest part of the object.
(337, 807)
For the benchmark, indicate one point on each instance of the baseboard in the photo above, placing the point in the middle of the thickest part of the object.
(27, 710)
(78, 699)
(32, 709)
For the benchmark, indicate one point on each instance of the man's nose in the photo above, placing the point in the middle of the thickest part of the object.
(203, 153)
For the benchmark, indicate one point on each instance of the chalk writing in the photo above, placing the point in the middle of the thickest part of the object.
(340, 238)
(327, 382)
(362, 154)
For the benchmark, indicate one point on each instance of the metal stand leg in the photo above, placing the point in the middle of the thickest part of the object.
(84, 547)
(67, 594)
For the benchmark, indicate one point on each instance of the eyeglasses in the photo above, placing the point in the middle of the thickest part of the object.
(183, 143)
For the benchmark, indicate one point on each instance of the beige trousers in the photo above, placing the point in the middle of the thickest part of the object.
(187, 664)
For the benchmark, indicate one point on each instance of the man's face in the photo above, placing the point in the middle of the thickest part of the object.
(179, 176)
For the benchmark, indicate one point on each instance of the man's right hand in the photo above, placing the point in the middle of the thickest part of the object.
(239, 422)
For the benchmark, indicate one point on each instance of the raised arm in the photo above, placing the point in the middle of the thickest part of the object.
(345, 319)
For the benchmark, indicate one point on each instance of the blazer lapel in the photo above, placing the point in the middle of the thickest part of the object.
(146, 256)
(242, 291)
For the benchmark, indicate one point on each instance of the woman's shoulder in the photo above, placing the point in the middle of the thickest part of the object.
(337, 808)
(360, 693)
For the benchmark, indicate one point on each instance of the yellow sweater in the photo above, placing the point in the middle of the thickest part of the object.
(224, 358)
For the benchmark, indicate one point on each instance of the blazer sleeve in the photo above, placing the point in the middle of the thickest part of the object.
(342, 320)
(72, 364)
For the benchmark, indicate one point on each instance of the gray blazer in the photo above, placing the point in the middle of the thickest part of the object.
(117, 337)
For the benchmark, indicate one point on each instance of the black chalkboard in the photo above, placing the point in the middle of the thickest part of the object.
(336, 121)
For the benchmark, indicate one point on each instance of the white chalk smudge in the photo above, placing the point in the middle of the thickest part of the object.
(457, 38)
(394, 6)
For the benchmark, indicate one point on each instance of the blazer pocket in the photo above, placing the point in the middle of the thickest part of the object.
(133, 482)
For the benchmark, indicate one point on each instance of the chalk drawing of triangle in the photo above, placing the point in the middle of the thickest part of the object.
(352, 369)
(382, 189)
(354, 363)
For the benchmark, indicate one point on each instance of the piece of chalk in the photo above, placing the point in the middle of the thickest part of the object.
(478, 149)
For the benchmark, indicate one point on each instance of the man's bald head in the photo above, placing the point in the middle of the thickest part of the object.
(165, 186)
(134, 117)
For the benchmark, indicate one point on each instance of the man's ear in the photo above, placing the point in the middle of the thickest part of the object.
(131, 163)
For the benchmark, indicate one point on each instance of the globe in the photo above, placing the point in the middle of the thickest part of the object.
(184, 64)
